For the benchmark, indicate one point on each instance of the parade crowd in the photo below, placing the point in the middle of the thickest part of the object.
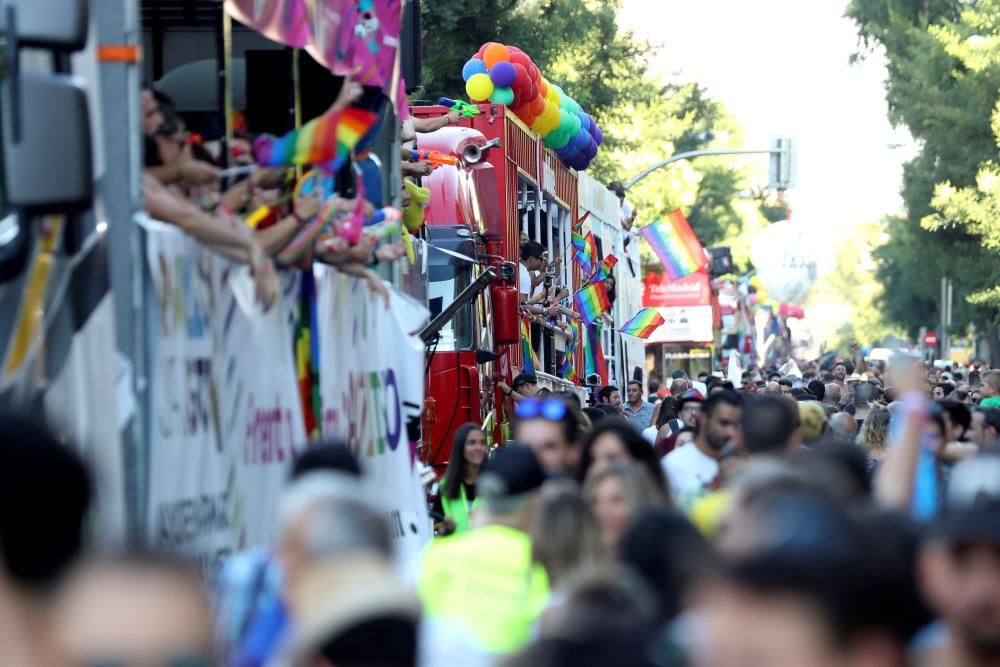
(816, 516)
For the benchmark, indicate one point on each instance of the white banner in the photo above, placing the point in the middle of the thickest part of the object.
(684, 324)
(225, 413)
(225, 417)
(372, 389)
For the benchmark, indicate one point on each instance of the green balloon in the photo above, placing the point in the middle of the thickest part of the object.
(502, 96)
(557, 139)
(566, 123)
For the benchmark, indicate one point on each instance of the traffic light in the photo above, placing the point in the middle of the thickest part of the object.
(782, 173)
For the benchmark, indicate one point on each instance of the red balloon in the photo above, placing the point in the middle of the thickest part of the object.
(519, 58)
(535, 93)
(520, 75)
(534, 73)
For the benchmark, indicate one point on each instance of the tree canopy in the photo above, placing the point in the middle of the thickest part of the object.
(943, 86)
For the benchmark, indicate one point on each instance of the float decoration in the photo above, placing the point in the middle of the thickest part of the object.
(505, 75)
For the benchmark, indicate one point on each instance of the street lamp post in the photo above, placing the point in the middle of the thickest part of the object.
(782, 152)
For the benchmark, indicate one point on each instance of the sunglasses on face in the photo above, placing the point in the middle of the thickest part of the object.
(550, 409)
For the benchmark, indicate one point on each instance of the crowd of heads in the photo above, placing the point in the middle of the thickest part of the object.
(773, 528)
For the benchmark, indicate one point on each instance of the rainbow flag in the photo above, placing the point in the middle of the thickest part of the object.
(328, 139)
(607, 264)
(592, 253)
(675, 244)
(567, 369)
(645, 322)
(592, 302)
(593, 354)
(578, 225)
(580, 250)
(530, 363)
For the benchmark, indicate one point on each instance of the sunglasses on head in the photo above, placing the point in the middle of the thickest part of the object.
(549, 409)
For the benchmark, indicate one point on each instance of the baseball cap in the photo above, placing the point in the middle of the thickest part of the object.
(972, 502)
(513, 471)
(523, 379)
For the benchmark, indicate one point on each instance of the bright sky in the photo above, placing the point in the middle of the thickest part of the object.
(781, 68)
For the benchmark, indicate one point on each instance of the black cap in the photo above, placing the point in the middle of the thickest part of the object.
(524, 378)
(678, 374)
(972, 504)
(513, 471)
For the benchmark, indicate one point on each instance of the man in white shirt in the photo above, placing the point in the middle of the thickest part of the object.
(693, 469)
(531, 278)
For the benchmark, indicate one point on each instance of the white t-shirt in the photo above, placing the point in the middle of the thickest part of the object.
(689, 472)
(524, 282)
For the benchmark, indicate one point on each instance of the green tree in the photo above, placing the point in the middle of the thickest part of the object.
(947, 107)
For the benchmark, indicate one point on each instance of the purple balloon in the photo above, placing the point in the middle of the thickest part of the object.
(567, 152)
(598, 136)
(581, 140)
(591, 150)
(503, 74)
(580, 162)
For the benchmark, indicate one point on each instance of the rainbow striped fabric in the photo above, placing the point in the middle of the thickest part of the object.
(592, 301)
(328, 139)
(568, 369)
(530, 363)
(594, 354)
(607, 265)
(645, 322)
(675, 244)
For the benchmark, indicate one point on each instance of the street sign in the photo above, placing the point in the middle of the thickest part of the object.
(930, 339)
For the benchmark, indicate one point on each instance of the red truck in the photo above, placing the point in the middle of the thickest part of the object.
(505, 183)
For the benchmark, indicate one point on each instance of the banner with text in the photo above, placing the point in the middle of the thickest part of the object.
(225, 417)
(372, 392)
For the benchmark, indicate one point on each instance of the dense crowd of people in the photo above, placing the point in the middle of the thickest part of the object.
(803, 528)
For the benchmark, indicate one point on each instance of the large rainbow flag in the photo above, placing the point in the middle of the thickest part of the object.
(645, 322)
(327, 139)
(675, 244)
(593, 354)
(592, 301)
(530, 363)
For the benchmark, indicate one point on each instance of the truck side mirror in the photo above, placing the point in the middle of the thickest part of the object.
(46, 144)
(59, 25)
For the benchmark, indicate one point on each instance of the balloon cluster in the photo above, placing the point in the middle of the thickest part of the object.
(506, 75)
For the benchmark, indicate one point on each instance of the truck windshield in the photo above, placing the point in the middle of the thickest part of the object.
(445, 282)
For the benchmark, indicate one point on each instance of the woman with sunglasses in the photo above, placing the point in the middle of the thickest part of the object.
(458, 486)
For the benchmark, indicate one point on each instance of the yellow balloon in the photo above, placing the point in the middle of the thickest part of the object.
(479, 87)
(553, 96)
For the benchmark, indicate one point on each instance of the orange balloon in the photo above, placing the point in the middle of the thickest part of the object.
(495, 53)
(537, 105)
(543, 87)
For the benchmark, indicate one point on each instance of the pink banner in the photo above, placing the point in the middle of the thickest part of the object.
(359, 38)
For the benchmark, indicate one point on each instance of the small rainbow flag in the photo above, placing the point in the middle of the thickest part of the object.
(675, 244)
(645, 322)
(578, 225)
(592, 301)
(530, 363)
(328, 139)
(580, 250)
(607, 264)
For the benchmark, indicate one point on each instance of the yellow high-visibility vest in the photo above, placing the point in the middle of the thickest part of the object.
(485, 582)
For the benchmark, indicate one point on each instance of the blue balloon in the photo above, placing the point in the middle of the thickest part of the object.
(502, 75)
(581, 140)
(585, 121)
(473, 66)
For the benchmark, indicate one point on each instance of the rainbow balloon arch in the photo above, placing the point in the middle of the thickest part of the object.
(505, 75)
